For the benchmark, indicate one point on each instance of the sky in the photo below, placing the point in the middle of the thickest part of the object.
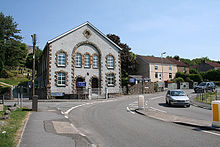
(188, 28)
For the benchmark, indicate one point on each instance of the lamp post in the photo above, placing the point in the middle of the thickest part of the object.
(162, 69)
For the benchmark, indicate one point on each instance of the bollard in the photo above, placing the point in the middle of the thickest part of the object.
(35, 103)
(90, 94)
(215, 113)
(106, 92)
(140, 102)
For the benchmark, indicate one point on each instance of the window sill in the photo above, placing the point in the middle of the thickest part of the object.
(78, 66)
(111, 85)
(61, 85)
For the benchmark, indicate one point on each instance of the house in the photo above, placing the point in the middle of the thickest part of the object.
(181, 67)
(79, 59)
(205, 66)
(155, 68)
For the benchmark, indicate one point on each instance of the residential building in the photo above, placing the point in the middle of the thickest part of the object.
(205, 66)
(79, 59)
(155, 68)
(181, 67)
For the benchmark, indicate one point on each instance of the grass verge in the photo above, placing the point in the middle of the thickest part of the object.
(12, 128)
(14, 80)
(207, 98)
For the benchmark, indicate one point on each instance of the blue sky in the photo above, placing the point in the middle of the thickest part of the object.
(188, 28)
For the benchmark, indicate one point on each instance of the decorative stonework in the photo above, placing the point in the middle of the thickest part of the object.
(106, 62)
(84, 60)
(49, 47)
(57, 53)
(56, 78)
(87, 33)
(74, 54)
(106, 79)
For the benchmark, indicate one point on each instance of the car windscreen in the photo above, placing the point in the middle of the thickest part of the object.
(177, 93)
(202, 84)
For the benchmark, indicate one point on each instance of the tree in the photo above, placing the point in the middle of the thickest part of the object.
(128, 59)
(12, 51)
(29, 60)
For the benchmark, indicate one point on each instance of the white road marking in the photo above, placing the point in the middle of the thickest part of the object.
(211, 133)
(130, 110)
(158, 110)
(157, 97)
(66, 116)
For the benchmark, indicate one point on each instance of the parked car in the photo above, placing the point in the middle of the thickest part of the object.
(177, 97)
(205, 87)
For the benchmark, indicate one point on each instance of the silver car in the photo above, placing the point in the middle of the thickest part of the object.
(177, 97)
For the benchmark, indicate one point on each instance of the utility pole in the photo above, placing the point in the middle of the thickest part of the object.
(34, 97)
(33, 70)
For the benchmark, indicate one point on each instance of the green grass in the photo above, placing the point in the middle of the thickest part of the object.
(14, 80)
(13, 124)
(207, 97)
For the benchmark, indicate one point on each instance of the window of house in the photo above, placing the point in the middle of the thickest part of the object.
(170, 67)
(78, 60)
(61, 59)
(95, 61)
(156, 67)
(110, 62)
(61, 79)
(170, 75)
(110, 79)
(87, 60)
(156, 75)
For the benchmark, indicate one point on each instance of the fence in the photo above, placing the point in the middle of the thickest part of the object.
(208, 97)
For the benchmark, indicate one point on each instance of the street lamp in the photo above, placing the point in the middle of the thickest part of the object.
(162, 68)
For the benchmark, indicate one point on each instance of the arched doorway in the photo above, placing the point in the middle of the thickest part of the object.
(95, 85)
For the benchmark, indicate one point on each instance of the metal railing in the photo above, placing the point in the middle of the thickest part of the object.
(208, 97)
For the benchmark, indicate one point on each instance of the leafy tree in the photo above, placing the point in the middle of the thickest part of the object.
(193, 71)
(12, 51)
(179, 80)
(29, 60)
(128, 59)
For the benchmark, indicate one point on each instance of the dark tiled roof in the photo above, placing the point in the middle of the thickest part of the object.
(151, 59)
(213, 64)
(177, 62)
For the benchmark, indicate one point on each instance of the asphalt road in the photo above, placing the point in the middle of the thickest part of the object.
(110, 124)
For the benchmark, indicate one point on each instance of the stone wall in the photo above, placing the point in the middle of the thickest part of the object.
(148, 87)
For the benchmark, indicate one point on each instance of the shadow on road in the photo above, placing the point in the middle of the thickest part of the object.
(166, 105)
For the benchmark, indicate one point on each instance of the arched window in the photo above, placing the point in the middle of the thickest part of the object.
(87, 61)
(78, 60)
(110, 61)
(61, 59)
(95, 61)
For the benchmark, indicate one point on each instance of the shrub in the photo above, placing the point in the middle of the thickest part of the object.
(179, 80)
(196, 77)
(4, 89)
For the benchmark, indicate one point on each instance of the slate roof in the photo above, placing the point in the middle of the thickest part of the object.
(213, 64)
(151, 59)
(178, 62)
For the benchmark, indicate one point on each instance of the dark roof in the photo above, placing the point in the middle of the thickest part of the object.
(151, 59)
(213, 64)
(177, 62)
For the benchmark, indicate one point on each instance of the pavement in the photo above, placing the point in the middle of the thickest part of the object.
(49, 128)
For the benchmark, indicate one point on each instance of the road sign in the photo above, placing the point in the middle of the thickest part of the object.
(131, 80)
(81, 84)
